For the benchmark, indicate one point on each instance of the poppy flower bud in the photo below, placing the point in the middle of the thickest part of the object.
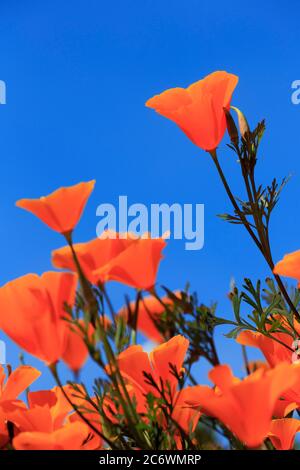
(243, 123)
(231, 127)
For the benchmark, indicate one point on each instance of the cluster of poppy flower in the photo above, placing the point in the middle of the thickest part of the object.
(255, 411)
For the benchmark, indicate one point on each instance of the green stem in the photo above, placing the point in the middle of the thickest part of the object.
(261, 241)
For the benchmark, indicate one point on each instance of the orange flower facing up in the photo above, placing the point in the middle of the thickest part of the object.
(46, 412)
(32, 312)
(69, 437)
(282, 433)
(289, 266)
(199, 109)
(131, 261)
(273, 351)
(149, 311)
(133, 362)
(44, 425)
(17, 382)
(276, 353)
(245, 407)
(62, 209)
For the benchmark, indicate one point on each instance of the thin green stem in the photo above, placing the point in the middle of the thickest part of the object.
(262, 242)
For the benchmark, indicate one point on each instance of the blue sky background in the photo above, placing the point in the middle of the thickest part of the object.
(78, 74)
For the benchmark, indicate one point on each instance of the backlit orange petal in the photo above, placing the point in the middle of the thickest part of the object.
(69, 437)
(186, 417)
(273, 351)
(282, 433)
(222, 377)
(62, 209)
(132, 363)
(32, 311)
(284, 407)
(42, 398)
(289, 266)
(246, 407)
(76, 352)
(18, 381)
(130, 260)
(92, 255)
(36, 419)
(198, 109)
(136, 266)
(172, 352)
(168, 102)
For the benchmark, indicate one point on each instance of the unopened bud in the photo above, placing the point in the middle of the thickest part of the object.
(243, 123)
(231, 127)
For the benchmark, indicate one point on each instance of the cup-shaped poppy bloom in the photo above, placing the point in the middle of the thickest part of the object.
(276, 353)
(133, 362)
(47, 411)
(273, 351)
(289, 266)
(69, 437)
(150, 310)
(45, 424)
(132, 261)
(17, 382)
(282, 433)
(32, 312)
(160, 364)
(245, 407)
(199, 109)
(62, 209)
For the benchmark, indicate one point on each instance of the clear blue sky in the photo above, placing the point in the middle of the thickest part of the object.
(78, 74)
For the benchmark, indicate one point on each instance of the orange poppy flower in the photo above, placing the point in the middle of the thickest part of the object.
(69, 437)
(132, 261)
(289, 266)
(245, 407)
(47, 411)
(199, 109)
(282, 433)
(20, 379)
(32, 312)
(62, 209)
(45, 424)
(134, 361)
(275, 353)
(149, 311)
